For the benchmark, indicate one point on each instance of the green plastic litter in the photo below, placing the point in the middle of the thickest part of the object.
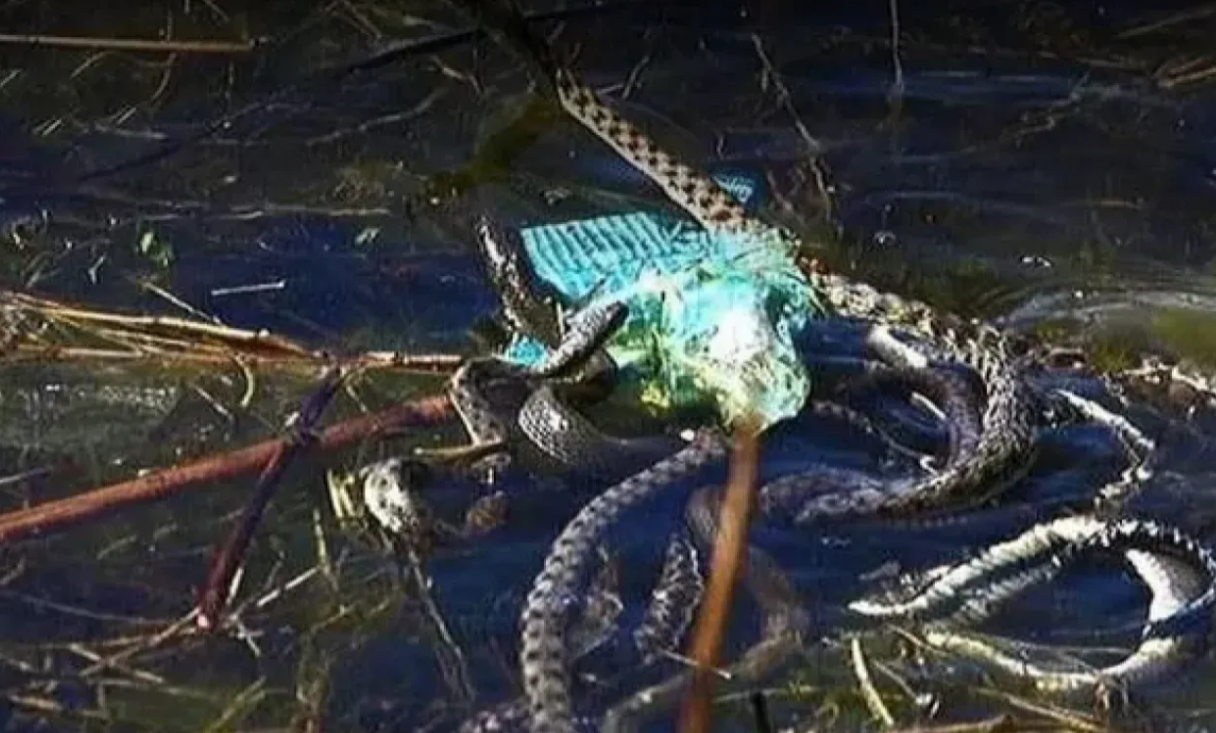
(606, 252)
(712, 317)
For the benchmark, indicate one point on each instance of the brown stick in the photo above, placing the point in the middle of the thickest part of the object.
(231, 555)
(730, 553)
(56, 516)
(422, 363)
(130, 44)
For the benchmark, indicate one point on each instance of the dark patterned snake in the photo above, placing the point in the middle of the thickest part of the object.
(548, 418)
(986, 454)
(584, 334)
(1178, 573)
(666, 618)
(783, 623)
(552, 424)
(1007, 436)
(544, 656)
(529, 308)
(573, 363)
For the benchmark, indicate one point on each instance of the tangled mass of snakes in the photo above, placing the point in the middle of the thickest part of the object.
(980, 386)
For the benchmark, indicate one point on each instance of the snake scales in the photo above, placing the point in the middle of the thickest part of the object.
(993, 440)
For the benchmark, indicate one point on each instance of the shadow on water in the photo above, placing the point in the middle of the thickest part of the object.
(1049, 167)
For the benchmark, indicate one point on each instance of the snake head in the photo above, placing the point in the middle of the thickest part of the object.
(596, 323)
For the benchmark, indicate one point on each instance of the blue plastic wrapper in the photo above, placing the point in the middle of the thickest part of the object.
(712, 317)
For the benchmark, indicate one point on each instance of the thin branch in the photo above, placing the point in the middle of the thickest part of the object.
(231, 555)
(730, 554)
(61, 514)
(129, 44)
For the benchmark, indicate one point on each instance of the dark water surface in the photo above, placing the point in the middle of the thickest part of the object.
(1040, 164)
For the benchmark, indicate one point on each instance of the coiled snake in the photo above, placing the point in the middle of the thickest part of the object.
(992, 441)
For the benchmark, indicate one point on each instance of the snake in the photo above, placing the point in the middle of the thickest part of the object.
(1005, 423)
(551, 422)
(1178, 572)
(1006, 441)
(469, 385)
(555, 426)
(573, 369)
(528, 306)
(666, 618)
(784, 620)
(986, 456)
(544, 655)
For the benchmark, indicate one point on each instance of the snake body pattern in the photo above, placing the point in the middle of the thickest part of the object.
(1006, 435)
(982, 459)
(543, 654)
(550, 422)
(1007, 432)
(1176, 570)
(558, 428)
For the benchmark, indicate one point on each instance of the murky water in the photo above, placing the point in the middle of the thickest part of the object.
(1035, 166)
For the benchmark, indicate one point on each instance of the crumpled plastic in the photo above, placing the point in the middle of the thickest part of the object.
(712, 317)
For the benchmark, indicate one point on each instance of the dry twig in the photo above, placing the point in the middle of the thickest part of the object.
(230, 556)
(129, 44)
(56, 516)
(730, 554)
